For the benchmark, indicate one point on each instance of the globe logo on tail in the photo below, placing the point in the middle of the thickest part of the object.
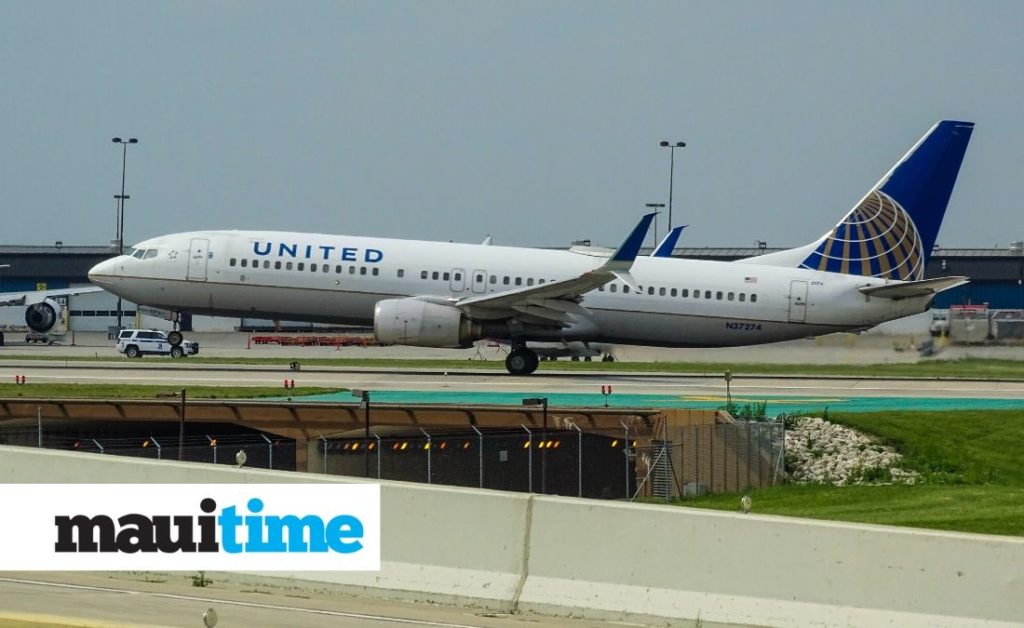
(876, 239)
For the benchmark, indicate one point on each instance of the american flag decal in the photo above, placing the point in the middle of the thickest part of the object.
(750, 279)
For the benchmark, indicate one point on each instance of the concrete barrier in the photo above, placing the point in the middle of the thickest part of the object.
(611, 559)
(439, 543)
(636, 559)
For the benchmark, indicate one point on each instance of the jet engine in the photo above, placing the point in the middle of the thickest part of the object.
(421, 323)
(42, 316)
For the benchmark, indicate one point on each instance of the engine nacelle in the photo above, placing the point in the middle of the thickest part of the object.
(421, 323)
(42, 316)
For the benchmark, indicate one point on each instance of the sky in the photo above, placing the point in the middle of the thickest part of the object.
(535, 122)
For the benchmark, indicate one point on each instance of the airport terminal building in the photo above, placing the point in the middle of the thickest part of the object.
(997, 279)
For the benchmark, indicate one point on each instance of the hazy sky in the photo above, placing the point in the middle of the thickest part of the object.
(537, 122)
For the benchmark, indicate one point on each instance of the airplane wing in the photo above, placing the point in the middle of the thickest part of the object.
(551, 303)
(669, 243)
(35, 296)
(908, 289)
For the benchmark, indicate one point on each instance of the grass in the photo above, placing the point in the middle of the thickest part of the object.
(967, 368)
(139, 391)
(970, 464)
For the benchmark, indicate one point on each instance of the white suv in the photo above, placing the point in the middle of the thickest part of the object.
(135, 343)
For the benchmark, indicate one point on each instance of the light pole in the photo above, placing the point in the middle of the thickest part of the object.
(656, 208)
(535, 401)
(364, 396)
(121, 198)
(671, 173)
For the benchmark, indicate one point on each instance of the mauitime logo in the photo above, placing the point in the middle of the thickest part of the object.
(185, 526)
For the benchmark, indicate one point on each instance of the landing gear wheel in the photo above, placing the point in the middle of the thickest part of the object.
(177, 351)
(522, 362)
(608, 358)
(175, 338)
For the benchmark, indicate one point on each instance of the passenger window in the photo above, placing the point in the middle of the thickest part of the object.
(731, 296)
(650, 290)
(423, 274)
(479, 278)
(519, 281)
(661, 292)
(231, 262)
(599, 288)
(673, 292)
(401, 272)
(435, 275)
(743, 296)
(753, 298)
(447, 276)
(288, 266)
(696, 294)
(718, 295)
(266, 264)
(529, 281)
(685, 292)
(540, 281)
(612, 288)
(707, 294)
(312, 268)
(301, 266)
(505, 280)
(327, 268)
(494, 279)
(376, 271)
(337, 269)
(458, 276)
(245, 263)
(625, 290)
(362, 270)
(351, 270)
(277, 265)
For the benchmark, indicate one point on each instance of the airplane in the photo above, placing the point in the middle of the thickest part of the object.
(43, 308)
(668, 244)
(866, 270)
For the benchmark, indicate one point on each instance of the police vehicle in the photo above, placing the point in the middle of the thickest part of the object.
(135, 343)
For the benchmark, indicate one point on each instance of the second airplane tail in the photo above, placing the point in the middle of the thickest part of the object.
(892, 230)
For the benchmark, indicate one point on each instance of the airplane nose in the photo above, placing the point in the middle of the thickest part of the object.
(101, 273)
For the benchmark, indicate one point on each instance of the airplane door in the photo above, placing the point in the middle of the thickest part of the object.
(198, 255)
(479, 281)
(458, 279)
(797, 301)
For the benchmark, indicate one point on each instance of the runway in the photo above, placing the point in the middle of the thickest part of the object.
(569, 389)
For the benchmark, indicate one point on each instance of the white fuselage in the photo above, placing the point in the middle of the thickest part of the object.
(316, 277)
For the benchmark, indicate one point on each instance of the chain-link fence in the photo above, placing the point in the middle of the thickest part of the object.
(262, 451)
(713, 458)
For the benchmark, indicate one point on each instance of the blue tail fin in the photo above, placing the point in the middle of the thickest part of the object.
(891, 232)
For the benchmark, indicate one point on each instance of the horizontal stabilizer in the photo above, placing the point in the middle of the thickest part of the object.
(911, 289)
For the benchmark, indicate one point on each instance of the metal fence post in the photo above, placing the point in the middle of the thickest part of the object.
(428, 454)
(529, 459)
(480, 438)
(380, 451)
(625, 452)
(270, 451)
(159, 449)
(39, 427)
(213, 443)
(579, 458)
(98, 445)
(325, 451)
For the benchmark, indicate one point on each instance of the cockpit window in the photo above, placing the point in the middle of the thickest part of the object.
(150, 253)
(138, 253)
(131, 252)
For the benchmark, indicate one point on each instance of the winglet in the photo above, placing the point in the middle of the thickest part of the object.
(623, 257)
(669, 243)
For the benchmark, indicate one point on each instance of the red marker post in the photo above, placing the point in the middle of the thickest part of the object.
(606, 391)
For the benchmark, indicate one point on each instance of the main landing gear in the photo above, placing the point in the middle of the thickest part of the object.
(521, 361)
